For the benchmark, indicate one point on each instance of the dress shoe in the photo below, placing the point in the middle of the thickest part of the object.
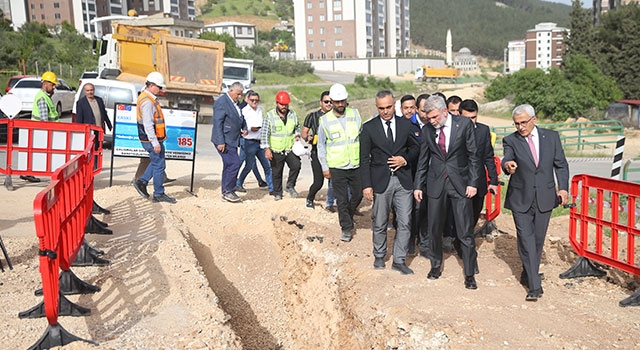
(378, 263)
(358, 213)
(309, 204)
(470, 282)
(141, 187)
(332, 209)
(534, 295)
(292, 192)
(262, 184)
(164, 198)
(402, 268)
(434, 273)
(346, 235)
(240, 189)
(30, 178)
(231, 197)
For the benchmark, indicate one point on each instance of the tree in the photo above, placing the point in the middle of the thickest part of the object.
(231, 50)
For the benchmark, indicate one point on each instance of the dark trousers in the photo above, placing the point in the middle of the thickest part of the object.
(531, 229)
(462, 212)
(230, 168)
(318, 177)
(277, 170)
(477, 203)
(344, 180)
(421, 237)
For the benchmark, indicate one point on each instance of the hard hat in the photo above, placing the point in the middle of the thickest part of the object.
(299, 149)
(338, 92)
(156, 78)
(282, 97)
(50, 77)
(132, 13)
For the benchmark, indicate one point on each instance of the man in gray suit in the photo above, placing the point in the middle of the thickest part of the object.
(448, 168)
(531, 156)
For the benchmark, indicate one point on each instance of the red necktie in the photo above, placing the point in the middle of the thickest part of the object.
(442, 141)
(532, 148)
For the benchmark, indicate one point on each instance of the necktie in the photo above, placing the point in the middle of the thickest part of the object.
(532, 148)
(389, 132)
(442, 141)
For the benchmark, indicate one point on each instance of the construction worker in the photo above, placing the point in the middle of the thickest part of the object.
(152, 133)
(280, 129)
(339, 154)
(43, 108)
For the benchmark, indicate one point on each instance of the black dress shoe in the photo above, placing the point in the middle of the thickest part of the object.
(262, 184)
(470, 282)
(434, 273)
(402, 268)
(164, 198)
(534, 295)
(29, 178)
(141, 187)
(378, 263)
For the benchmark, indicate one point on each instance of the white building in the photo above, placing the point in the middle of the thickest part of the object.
(515, 56)
(545, 46)
(244, 33)
(465, 61)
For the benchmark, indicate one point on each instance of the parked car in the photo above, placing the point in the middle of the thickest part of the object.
(87, 75)
(111, 92)
(14, 79)
(27, 88)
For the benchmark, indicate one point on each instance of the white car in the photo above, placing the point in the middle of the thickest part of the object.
(27, 88)
(111, 92)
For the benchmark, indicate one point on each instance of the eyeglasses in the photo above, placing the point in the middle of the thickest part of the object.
(524, 123)
(254, 99)
(326, 101)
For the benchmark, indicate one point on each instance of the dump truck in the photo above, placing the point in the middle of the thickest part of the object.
(192, 68)
(427, 73)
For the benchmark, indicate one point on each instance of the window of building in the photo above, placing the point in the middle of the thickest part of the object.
(338, 42)
(56, 5)
(337, 30)
(321, 18)
(310, 56)
(337, 4)
(310, 43)
(33, 17)
(309, 5)
(323, 55)
(310, 31)
(42, 6)
(250, 30)
(239, 30)
(57, 16)
(322, 43)
(321, 30)
(338, 54)
(337, 17)
(310, 18)
(42, 17)
(33, 6)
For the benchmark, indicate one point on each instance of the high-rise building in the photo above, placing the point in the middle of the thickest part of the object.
(351, 28)
(515, 56)
(545, 46)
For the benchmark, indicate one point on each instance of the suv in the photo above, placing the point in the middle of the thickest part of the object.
(14, 79)
(111, 92)
(27, 88)
(87, 75)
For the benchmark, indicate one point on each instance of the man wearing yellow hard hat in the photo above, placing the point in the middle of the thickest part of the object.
(43, 108)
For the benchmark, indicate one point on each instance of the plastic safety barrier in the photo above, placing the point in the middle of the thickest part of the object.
(61, 212)
(492, 205)
(603, 227)
(42, 147)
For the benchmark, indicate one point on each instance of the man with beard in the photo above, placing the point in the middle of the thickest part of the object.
(339, 154)
(280, 129)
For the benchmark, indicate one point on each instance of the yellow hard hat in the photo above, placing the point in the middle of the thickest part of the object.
(50, 77)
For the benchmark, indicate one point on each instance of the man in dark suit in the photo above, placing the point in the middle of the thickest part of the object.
(228, 126)
(469, 109)
(532, 156)
(90, 109)
(387, 147)
(448, 168)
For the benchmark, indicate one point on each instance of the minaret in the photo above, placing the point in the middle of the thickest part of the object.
(449, 48)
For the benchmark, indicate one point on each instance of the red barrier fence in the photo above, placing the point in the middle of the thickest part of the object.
(603, 227)
(61, 212)
(492, 205)
(44, 146)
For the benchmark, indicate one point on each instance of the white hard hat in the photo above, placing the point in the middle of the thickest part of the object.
(299, 149)
(338, 92)
(156, 78)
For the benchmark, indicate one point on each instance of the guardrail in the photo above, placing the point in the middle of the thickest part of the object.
(630, 167)
(600, 134)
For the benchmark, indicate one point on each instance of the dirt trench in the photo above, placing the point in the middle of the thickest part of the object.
(286, 282)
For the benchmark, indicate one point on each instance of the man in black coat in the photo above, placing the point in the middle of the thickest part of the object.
(91, 110)
(387, 147)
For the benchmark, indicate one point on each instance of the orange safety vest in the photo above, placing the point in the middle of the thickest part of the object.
(158, 118)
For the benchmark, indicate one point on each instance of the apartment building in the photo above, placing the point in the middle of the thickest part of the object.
(544, 46)
(516, 56)
(351, 28)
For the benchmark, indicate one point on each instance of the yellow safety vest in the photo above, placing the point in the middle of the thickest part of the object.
(343, 145)
(158, 118)
(35, 111)
(281, 135)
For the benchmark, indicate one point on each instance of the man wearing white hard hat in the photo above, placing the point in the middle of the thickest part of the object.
(339, 155)
(152, 133)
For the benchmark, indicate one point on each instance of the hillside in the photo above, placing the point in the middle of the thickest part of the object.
(483, 26)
